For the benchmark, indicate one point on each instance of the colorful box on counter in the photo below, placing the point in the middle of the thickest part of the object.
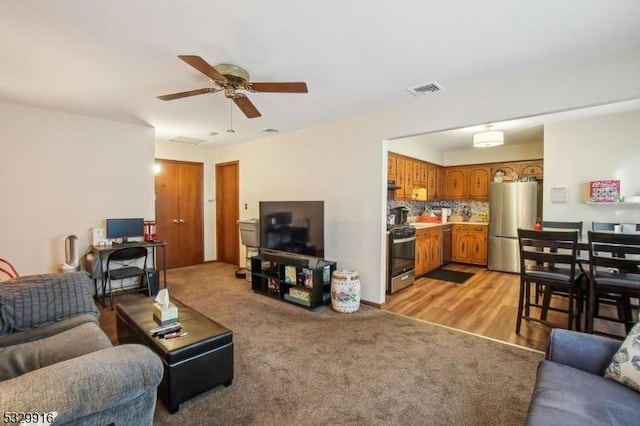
(604, 191)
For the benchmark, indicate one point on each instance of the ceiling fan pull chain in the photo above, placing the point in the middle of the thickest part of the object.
(231, 118)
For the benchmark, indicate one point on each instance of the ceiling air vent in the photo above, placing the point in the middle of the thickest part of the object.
(425, 89)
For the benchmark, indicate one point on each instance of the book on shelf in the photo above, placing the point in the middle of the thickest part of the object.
(296, 300)
(300, 293)
(290, 274)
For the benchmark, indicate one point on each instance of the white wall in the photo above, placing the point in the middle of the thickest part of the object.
(61, 174)
(325, 163)
(501, 153)
(596, 148)
(342, 163)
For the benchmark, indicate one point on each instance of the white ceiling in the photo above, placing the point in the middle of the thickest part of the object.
(111, 58)
(519, 131)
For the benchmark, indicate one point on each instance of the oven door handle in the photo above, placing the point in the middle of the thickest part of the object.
(403, 240)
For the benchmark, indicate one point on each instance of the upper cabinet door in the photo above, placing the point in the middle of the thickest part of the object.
(478, 182)
(432, 182)
(509, 169)
(424, 175)
(456, 180)
(408, 177)
(531, 169)
(391, 166)
(401, 180)
(416, 174)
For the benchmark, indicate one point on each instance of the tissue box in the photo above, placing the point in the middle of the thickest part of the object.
(165, 316)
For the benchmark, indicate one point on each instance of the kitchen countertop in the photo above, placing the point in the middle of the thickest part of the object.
(420, 225)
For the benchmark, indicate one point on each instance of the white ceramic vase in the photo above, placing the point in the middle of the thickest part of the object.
(345, 291)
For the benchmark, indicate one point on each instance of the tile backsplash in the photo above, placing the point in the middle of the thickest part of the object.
(417, 207)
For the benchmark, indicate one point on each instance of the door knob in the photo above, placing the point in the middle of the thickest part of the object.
(181, 221)
(175, 221)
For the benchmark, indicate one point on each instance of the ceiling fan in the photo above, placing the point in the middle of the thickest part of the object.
(232, 78)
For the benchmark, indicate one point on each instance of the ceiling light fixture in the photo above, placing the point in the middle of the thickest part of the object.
(488, 138)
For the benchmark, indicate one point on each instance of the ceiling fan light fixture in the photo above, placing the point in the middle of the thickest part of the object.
(488, 138)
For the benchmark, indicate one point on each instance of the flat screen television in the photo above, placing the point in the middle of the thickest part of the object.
(125, 228)
(293, 227)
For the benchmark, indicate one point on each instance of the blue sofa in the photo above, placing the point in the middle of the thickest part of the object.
(571, 389)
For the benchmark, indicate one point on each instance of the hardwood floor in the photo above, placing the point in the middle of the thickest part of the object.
(486, 304)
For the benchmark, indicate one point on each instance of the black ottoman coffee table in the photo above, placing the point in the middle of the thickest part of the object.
(192, 364)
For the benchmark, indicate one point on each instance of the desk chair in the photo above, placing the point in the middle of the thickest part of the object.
(121, 264)
(548, 260)
(614, 275)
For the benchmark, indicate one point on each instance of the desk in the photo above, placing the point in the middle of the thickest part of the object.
(103, 252)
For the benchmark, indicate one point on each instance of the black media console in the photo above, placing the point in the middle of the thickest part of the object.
(299, 279)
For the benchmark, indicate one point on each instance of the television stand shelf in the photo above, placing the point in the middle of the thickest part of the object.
(302, 280)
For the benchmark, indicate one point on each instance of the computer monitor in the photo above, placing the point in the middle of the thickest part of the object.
(125, 228)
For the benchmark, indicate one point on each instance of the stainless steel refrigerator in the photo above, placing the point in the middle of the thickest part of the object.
(512, 205)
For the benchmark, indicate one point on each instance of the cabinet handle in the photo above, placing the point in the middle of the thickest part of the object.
(175, 221)
(181, 221)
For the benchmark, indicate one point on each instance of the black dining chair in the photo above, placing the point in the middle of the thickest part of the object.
(548, 260)
(603, 226)
(582, 260)
(614, 276)
(123, 263)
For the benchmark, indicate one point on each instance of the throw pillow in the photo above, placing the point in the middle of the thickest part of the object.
(625, 366)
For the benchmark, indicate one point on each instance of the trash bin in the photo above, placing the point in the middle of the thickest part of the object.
(250, 237)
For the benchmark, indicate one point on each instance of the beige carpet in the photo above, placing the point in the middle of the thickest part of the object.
(299, 367)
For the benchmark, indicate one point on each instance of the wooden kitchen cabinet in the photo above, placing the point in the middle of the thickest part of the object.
(441, 182)
(432, 182)
(531, 169)
(478, 182)
(507, 168)
(408, 178)
(400, 178)
(424, 176)
(435, 248)
(391, 166)
(469, 244)
(416, 173)
(456, 178)
(422, 252)
(428, 249)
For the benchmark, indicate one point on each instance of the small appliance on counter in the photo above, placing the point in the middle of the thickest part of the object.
(442, 212)
(401, 215)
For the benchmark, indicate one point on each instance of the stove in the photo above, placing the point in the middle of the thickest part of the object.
(402, 256)
(401, 231)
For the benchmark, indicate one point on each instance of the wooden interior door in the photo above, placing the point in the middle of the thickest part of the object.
(178, 190)
(227, 214)
(166, 184)
(191, 214)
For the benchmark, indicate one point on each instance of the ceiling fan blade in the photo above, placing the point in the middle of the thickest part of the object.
(280, 87)
(179, 95)
(203, 66)
(246, 106)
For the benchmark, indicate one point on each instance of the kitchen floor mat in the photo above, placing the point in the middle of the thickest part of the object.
(442, 274)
